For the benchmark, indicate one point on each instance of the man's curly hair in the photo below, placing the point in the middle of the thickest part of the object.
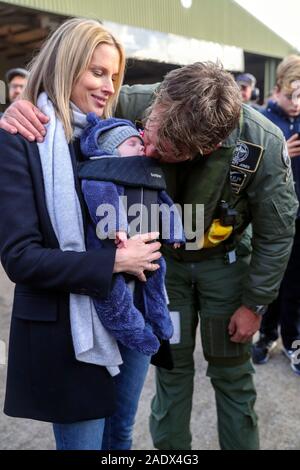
(199, 107)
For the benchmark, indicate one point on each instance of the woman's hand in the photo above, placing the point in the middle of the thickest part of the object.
(138, 255)
(26, 119)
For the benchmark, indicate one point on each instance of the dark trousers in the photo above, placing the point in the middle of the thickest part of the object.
(285, 310)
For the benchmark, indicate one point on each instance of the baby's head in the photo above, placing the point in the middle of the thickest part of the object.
(122, 141)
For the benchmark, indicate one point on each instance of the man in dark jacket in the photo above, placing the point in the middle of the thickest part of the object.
(284, 111)
(16, 80)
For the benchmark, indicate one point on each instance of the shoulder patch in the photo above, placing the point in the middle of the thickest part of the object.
(246, 156)
(286, 160)
(285, 156)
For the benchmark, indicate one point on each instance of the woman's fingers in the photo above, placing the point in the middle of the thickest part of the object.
(152, 267)
(141, 276)
(149, 267)
(138, 255)
(153, 247)
(146, 237)
(154, 256)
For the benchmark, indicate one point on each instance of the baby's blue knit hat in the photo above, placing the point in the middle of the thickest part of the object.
(110, 140)
(103, 136)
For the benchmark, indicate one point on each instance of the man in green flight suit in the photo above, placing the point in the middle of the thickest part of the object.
(230, 281)
(241, 176)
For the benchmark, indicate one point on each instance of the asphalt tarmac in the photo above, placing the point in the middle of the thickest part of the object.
(277, 404)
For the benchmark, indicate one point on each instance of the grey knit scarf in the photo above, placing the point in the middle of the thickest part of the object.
(92, 343)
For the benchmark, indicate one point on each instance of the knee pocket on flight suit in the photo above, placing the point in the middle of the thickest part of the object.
(217, 347)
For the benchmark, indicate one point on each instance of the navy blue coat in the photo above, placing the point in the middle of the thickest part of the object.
(44, 380)
(289, 127)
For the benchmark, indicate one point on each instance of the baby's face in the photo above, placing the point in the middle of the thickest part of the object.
(131, 147)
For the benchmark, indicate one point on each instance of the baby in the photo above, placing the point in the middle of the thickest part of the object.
(105, 143)
(133, 145)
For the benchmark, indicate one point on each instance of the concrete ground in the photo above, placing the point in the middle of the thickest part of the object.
(277, 404)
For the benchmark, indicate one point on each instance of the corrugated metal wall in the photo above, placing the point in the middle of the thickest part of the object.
(221, 21)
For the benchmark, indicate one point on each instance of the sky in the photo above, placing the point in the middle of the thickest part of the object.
(283, 16)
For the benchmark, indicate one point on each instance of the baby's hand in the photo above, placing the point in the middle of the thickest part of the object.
(121, 239)
(176, 245)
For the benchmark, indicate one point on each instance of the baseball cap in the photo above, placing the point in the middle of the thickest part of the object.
(16, 72)
(246, 79)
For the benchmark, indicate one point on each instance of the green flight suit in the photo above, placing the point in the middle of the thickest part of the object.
(251, 171)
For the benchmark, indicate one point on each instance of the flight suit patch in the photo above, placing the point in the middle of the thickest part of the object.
(287, 162)
(247, 156)
(237, 180)
(285, 156)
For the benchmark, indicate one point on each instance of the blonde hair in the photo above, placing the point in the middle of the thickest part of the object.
(62, 60)
(199, 106)
(288, 72)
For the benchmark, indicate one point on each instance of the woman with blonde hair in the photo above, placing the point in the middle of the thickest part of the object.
(61, 360)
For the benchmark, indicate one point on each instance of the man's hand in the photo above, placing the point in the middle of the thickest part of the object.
(23, 117)
(293, 144)
(243, 325)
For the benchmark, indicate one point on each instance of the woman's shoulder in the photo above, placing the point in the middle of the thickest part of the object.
(16, 142)
(16, 150)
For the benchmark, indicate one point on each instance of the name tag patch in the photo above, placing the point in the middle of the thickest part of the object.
(287, 162)
(237, 180)
(285, 156)
(246, 156)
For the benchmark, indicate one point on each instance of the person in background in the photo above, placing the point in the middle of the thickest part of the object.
(249, 91)
(284, 111)
(16, 80)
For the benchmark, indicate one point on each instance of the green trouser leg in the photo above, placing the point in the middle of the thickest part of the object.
(229, 366)
(215, 288)
(235, 398)
(171, 407)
